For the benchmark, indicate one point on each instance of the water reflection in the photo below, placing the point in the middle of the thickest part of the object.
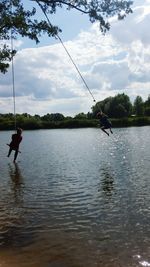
(12, 215)
(15, 216)
(17, 182)
(76, 203)
(140, 260)
(107, 180)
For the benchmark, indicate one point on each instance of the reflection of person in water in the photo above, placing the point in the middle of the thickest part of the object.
(17, 180)
(107, 182)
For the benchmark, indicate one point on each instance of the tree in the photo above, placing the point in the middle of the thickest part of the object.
(103, 105)
(120, 106)
(120, 111)
(117, 106)
(138, 106)
(18, 20)
(147, 102)
(147, 111)
(147, 107)
(53, 117)
(80, 116)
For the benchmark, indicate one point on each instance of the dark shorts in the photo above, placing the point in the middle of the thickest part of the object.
(107, 125)
(14, 147)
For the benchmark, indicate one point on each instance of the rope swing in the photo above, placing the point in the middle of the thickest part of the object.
(13, 75)
(16, 138)
(13, 85)
(58, 37)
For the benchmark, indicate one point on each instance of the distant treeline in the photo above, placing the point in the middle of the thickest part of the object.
(119, 108)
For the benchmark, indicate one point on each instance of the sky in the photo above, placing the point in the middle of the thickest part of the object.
(46, 81)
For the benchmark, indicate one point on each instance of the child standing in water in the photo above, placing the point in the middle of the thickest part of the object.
(104, 122)
(14, 144)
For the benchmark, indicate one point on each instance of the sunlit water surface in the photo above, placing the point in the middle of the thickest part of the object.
(76, 198)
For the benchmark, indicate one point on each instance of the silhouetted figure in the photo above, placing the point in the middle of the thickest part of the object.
(14, 144)
(105, 123)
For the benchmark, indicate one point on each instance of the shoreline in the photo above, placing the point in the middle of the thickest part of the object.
(32, 124)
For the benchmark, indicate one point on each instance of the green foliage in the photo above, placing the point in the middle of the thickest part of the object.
(138, 106)
(53, 117)
(147, 102)
(147, 111)
(23, 22)
(122, 107)
(116, 107)
(147, 107)
(132, 121)
(31, 123)
(81, 116)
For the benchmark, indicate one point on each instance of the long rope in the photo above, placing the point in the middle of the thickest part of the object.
(57, 36)
(13, 76)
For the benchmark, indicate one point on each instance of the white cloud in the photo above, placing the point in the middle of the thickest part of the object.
(135, 26)
(46, 80)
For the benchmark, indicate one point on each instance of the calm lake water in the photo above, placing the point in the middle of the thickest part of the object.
(76, 198)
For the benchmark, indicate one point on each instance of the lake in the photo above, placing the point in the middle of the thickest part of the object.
(76, 198)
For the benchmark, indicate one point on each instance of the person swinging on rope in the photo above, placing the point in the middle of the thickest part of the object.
(105, 123)
(15, 142)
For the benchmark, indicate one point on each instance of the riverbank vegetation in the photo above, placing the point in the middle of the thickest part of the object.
(119, 108)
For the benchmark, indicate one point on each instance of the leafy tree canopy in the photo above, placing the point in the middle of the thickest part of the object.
(118, 106)
(147, 102)
(16, 20)
(53, 117)
(81, 116)
(138, 106)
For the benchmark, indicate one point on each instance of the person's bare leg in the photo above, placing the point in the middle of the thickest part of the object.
(104, 131)
(9, 152)
(111, 130)
(15, 156)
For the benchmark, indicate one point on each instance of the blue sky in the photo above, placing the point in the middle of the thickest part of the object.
(47, 82)
(70, 22)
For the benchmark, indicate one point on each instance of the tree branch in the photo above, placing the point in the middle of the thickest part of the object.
(64, 3)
